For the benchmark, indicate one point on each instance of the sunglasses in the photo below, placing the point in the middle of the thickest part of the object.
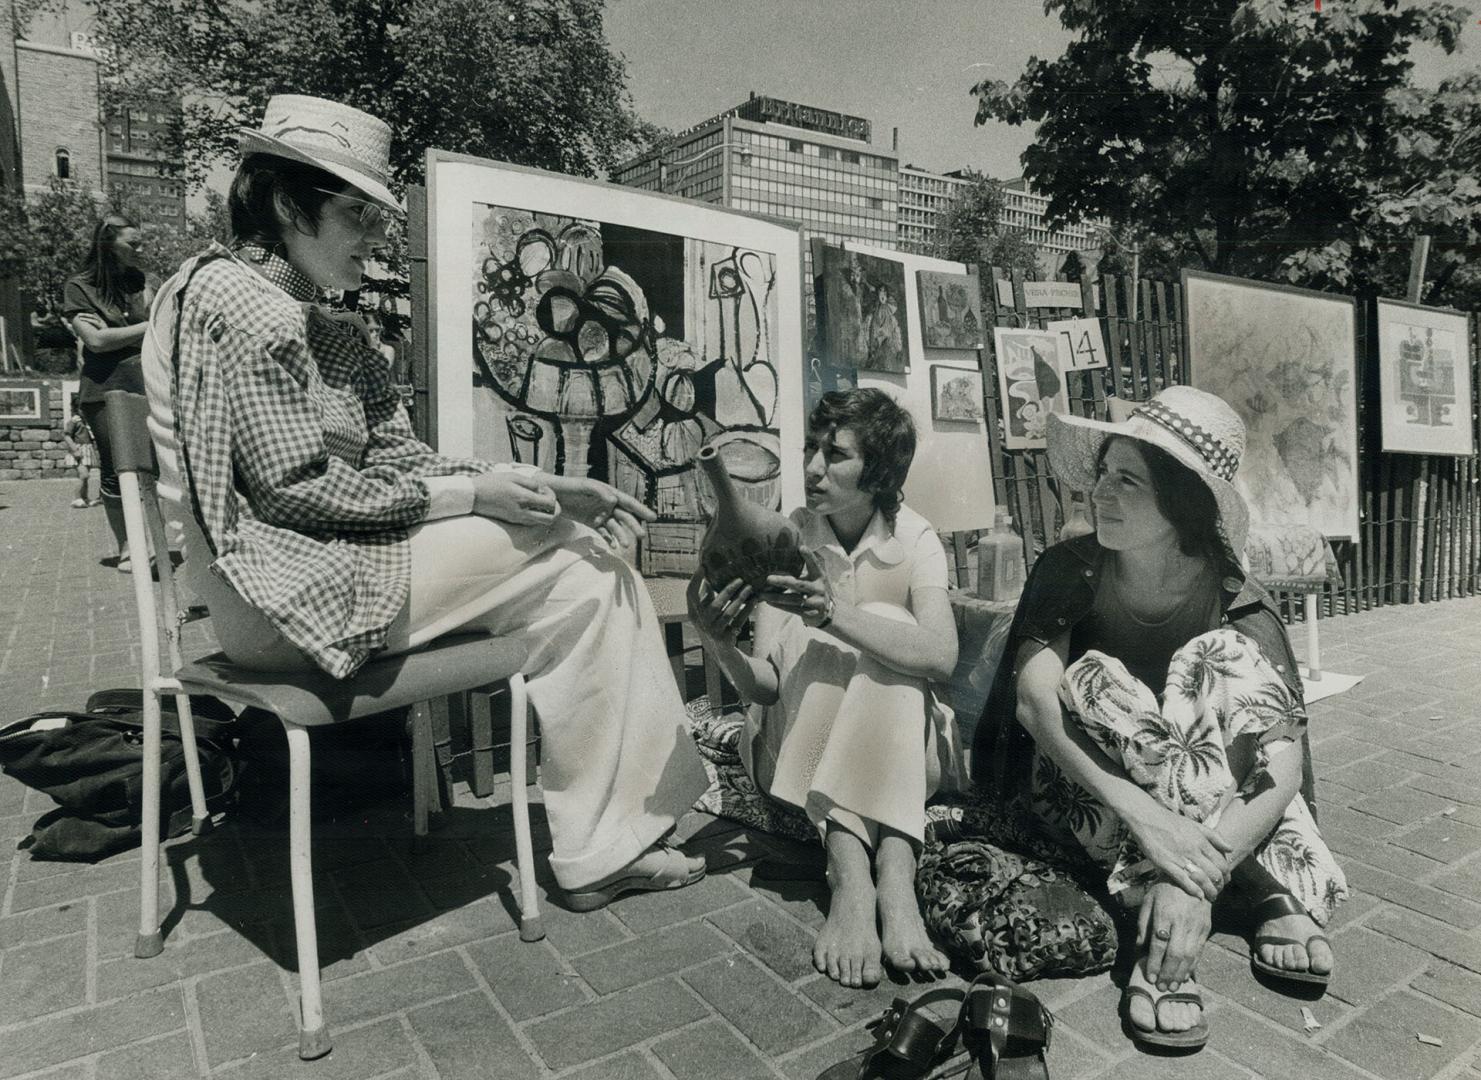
(370, 214)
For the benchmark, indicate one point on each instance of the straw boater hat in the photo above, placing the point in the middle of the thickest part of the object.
(1199, 430)
(350, 144)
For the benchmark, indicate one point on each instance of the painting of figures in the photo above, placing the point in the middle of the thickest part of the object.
(1424, 379)
(862, 311)
(606, 345)
(1030, 385)
(950, 310)
(956, 394)
(1284, 358)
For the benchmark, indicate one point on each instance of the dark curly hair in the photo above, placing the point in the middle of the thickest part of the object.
(260, 179)
(886, 435)
(1182, 497)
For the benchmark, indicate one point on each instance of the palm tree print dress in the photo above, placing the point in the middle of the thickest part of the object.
(1219, 688)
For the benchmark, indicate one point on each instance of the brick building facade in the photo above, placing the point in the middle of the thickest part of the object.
(60, 131)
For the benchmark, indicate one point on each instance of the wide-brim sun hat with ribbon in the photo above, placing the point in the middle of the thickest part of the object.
(1199, 430)
(340, 139)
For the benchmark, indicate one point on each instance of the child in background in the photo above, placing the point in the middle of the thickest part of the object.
(77, 437)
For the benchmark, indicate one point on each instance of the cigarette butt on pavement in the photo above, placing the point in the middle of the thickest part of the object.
(1428, 1040)
(1309, 1019)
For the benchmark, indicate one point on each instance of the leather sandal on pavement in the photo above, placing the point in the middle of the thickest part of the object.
(908, 1043)
(674, 872)
(1007, 1029)
(1192, 1039)
(1274, 907)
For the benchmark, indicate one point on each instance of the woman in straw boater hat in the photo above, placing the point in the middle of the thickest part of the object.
(333, 534)
(1160, 725)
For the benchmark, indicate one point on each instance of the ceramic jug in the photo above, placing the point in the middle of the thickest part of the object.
(744, 539)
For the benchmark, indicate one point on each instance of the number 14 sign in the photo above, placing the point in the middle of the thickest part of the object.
(1081, 346)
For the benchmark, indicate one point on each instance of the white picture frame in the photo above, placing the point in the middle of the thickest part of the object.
(1286, 360)
(551, 400)
(1424, 380)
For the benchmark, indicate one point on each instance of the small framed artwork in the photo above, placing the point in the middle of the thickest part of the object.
(24, 404)
(1030, 385)
(1424, 379)
(956, 394)
(950, 310)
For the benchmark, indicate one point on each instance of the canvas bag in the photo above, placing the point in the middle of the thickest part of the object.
(92, 764)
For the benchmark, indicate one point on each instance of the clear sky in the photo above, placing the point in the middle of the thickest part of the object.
(905, 65)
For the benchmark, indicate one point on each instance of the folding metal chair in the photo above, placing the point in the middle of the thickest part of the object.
(449, 667)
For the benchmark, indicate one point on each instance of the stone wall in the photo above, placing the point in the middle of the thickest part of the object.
(37, 453)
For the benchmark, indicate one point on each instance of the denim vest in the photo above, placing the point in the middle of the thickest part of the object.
(1060, 592)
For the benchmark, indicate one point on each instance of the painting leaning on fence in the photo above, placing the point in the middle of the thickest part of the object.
(1285, 359)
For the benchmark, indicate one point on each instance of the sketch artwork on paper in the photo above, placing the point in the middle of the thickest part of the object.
(950, 310)
(1424, 379)
(1030, 385)
(617, 352)
(863, 311)
(1284, 359)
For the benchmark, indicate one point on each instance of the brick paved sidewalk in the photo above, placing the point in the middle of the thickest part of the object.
(426, 976)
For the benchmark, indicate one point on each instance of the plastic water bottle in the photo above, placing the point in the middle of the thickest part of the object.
(1000, 565)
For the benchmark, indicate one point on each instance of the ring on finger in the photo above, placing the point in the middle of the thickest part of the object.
(1162, 933)
(1192, 867)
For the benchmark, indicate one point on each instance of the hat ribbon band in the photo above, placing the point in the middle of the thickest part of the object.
(1214, 454)
(350, 161)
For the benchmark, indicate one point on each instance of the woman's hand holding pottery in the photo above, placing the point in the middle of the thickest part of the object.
(810, 597)
(1189, 854)
(720, 615)
(515, 498)
(616, 515)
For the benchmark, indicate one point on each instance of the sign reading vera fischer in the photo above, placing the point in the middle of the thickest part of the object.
(1060, 294)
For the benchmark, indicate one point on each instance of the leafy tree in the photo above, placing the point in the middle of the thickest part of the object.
(1259, 137)
(52, 230)
(970, 230)
(529, 81)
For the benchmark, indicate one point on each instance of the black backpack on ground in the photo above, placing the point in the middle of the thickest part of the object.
(92, 764)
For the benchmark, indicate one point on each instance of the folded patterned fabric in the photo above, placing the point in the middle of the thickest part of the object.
(999, 895)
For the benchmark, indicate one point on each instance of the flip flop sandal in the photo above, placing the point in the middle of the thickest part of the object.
(908, 1043)
(674, 874)
(1192, 1039)
(1274, 907)
(1007, 1029)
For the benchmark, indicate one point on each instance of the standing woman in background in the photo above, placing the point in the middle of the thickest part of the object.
(106, 305)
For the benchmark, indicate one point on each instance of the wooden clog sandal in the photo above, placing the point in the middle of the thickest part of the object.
(908, 1043)
(1007, 1029)
(675, 871)
(1274, 907)
(1192, 1039)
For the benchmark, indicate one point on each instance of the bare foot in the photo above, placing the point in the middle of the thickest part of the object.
(1157, 1015)
(847, 949)
(907, 946)
(1295, 957)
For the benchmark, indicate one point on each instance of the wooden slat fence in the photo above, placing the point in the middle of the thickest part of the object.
(1146, 355)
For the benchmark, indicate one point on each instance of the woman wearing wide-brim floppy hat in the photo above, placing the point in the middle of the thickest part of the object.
(333, 534)
(1152, 714)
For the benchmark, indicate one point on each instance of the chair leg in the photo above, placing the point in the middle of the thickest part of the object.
(423, 768)
(200, 817)
(150, 941)
(313, 1036)
(530, 928)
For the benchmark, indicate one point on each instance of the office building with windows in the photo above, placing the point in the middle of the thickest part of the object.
(141, 163)
(811, 166)
(924, 197)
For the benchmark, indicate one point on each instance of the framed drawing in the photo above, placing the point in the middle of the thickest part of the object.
(1285, 359)
(1030, 384)
(1424, 379)
(862, 310)
(950, 310)
(956, 394)
(24, 404)
(598, 330)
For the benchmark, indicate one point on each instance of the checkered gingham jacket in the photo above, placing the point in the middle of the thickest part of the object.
(299, 458)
